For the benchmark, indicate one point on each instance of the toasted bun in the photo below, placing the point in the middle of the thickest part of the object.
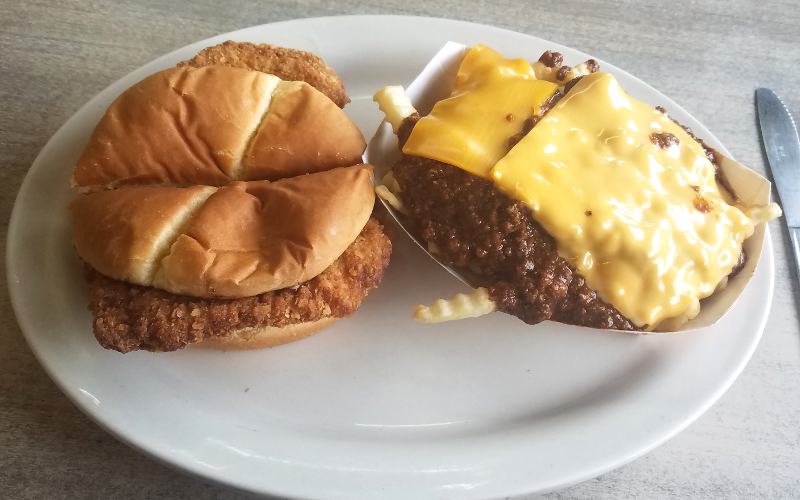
(287, 64)
(212, 125)
(124, 233)
(301, 125)
(265, 336)
(180, 126)
(235, 241)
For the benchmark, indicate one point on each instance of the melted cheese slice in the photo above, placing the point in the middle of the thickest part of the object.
(646, 226)
(492, 98)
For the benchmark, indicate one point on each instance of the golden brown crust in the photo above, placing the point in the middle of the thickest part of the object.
(287, 64)
(129, 317)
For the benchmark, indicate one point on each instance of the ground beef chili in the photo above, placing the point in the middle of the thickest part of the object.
(664, 140)
(552, 59)
(529, 122)
(477, 228)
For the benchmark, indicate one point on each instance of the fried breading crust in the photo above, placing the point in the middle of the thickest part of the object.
(130, 317)
(286, 64)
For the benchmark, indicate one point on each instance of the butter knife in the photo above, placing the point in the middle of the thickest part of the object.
(782, 145)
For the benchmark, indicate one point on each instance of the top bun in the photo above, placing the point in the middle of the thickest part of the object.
(215, 124)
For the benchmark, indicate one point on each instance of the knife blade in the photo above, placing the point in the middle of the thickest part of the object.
(782, 145)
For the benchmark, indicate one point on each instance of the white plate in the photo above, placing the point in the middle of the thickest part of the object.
(377, 406)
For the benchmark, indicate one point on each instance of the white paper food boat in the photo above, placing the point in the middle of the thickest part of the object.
(435, 82)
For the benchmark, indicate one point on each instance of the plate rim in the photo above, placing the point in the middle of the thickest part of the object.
(106, 423)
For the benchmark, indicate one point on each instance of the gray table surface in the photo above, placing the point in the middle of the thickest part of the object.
(708, 56)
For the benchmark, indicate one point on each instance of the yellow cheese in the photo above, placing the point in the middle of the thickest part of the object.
(646, 226)
(492, 98)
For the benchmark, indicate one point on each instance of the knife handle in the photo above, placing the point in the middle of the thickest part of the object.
(794, 237)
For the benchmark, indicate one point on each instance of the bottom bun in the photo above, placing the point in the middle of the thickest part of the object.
(265, 336)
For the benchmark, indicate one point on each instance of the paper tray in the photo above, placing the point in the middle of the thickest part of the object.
(435, 82)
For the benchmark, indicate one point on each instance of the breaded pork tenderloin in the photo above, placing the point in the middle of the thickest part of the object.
(285, 63)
